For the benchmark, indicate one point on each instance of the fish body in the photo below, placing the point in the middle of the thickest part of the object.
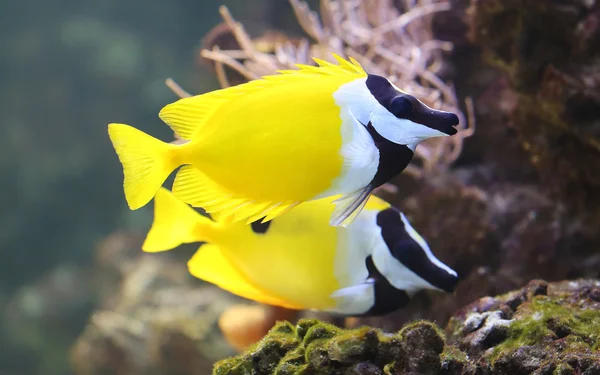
(299, 261)
(258, 149)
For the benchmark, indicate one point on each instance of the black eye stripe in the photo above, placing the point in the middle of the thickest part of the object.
(381, 89)
(399, 104)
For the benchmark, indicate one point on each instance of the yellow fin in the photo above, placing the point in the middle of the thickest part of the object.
(187, 115)
(193, 187)
(175, 223)
(209, 264)
(279, 210)
(345, 67)
(146, 162)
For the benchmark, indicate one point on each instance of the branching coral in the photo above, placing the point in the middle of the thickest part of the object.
(385, 39)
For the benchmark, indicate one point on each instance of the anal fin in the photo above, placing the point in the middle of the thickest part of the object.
(209, 264)
(349, 206)
(195, 188)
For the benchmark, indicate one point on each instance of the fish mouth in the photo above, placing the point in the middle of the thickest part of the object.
(444, 122)
(447, 123)
(441, 121)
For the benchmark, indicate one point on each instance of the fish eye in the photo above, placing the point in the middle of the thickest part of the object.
(401, 106)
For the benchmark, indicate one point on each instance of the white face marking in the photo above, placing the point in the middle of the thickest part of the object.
(354, 246)
(356, 243)
(361, 156)
(363, 105)
(396, 273)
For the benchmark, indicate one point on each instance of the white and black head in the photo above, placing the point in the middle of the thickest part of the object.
(402, 265)
(417, 267)
(403, 119)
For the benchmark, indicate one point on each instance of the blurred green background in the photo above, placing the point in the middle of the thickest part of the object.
(67, 69)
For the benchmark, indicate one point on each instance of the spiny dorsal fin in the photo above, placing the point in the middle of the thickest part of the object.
(187, 115)
(344, 67)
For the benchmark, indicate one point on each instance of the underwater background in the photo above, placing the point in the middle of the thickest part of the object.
(516, 199)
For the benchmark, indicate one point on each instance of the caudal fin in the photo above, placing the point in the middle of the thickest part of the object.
(146, 163)
(175, 223)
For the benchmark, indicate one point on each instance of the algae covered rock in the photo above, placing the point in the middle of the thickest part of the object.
(541, 329)
(314, 347)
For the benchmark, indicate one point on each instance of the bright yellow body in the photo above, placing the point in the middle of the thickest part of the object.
(281, 143)
(254, 150)
(292, 264)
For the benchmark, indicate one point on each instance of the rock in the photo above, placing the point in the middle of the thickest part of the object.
(548, 51)
(320, 348)
(154, 317)
(552, 329)
(542, 328)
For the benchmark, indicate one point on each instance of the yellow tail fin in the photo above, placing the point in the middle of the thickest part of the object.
(146, 162)
(175, 223)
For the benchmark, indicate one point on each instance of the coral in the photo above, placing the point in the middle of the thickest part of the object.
(396, 42)
(314, 347)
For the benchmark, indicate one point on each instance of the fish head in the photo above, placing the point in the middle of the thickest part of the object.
(402, 118)
(411, 265)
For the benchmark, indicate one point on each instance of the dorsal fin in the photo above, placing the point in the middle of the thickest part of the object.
(187, 115)
(344, 67)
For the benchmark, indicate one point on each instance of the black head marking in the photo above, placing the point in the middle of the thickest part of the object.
(260, 228)
(393, 158)
(405, 106)
(410, 253)
(387, 298)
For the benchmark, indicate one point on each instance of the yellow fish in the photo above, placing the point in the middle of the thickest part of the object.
(299, 261)
(258, 149)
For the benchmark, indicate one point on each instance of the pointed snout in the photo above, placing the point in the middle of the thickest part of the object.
(444, 121)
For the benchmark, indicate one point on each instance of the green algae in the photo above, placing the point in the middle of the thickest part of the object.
(314, 347)
(544, 320)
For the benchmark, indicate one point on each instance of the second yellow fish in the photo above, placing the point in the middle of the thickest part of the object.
(299, 261)
(258, 149)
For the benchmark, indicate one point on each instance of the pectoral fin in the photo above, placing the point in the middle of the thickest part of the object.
(355, 299)
(348, 206)
(209, 264)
